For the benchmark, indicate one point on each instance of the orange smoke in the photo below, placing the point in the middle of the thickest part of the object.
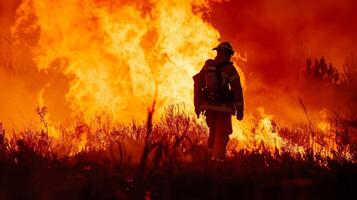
(279, 36)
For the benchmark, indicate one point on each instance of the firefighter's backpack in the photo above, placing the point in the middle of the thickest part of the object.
(216, 90)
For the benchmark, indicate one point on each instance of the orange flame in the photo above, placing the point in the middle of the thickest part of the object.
(119, 53)
(120, 56)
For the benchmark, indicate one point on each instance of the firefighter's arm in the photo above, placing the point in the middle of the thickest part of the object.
(197, 97)
(234, 81)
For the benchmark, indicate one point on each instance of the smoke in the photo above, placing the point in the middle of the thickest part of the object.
(279, 35)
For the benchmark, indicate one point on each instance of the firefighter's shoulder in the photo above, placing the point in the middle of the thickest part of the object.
(199, 75)
(210, 62)
(230, 68)
(233, 73)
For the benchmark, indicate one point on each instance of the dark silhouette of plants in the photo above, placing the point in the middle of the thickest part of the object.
(322, 72)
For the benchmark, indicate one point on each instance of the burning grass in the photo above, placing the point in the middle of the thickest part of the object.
(167, 159)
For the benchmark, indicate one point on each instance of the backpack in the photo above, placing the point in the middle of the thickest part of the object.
(216, 88)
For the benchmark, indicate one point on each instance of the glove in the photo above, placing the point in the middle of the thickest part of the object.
(239, 111)
(240, 115)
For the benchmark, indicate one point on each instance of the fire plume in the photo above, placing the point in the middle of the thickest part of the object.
(118, 53)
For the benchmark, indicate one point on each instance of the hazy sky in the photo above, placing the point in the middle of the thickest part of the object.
(280, 34)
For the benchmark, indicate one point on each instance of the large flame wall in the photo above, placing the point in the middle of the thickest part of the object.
(91, 57)
(119, 54)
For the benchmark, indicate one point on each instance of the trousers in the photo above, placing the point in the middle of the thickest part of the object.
(220, 127)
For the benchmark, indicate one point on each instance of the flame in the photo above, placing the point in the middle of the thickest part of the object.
(120, 56)
(323, 124)
(266, 133)
(260, 132)
(47, 124)
(119, 53)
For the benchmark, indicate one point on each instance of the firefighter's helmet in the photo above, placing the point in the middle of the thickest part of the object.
(225, 46)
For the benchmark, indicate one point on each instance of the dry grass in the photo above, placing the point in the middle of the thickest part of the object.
(163, 160)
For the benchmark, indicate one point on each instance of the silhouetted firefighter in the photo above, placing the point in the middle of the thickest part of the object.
(218, 94)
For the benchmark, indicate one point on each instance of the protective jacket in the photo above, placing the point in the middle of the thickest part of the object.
(226, 96)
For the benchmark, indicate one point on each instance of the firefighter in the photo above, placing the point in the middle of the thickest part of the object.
(218, 94)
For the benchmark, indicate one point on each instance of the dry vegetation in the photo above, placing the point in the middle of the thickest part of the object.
(163, 160)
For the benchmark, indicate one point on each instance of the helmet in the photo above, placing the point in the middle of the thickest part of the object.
(225, 46)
